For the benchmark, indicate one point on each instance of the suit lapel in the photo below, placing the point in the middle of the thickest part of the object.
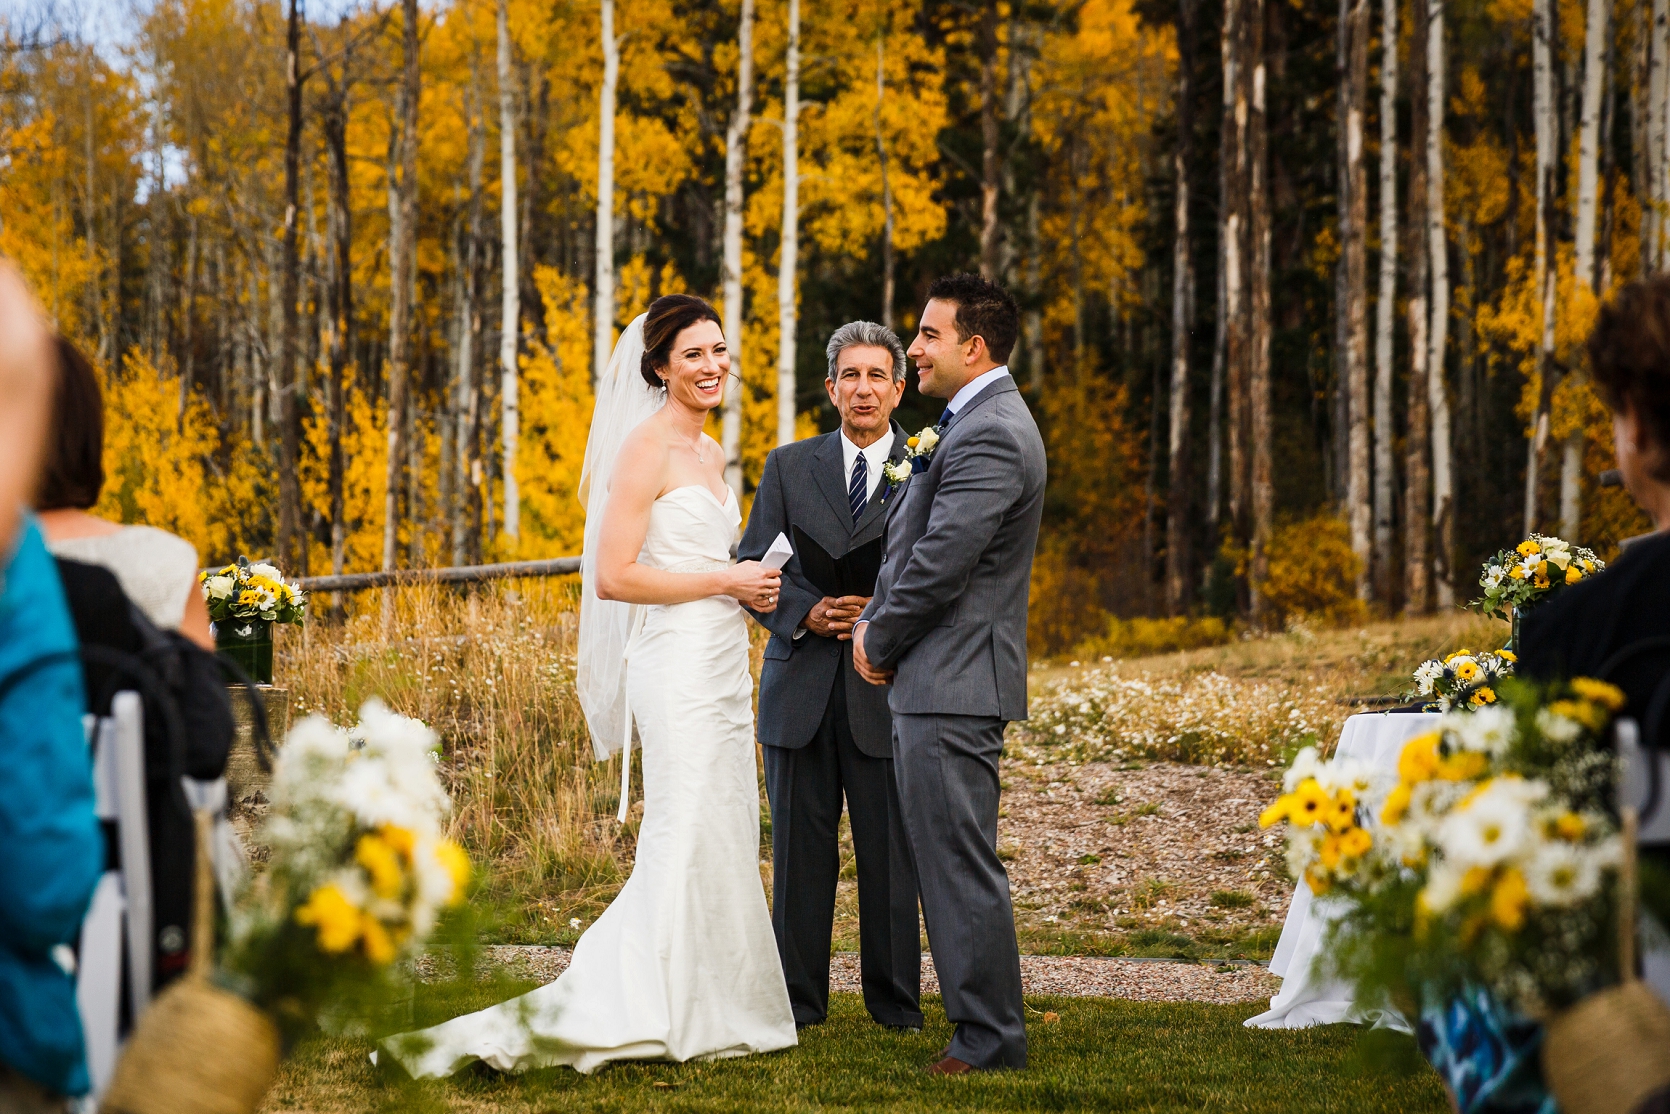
(881, 500)
(827, 474)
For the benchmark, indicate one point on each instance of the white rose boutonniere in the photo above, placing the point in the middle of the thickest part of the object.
(919, 450)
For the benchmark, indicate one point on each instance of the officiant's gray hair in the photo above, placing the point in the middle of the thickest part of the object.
(866, 334)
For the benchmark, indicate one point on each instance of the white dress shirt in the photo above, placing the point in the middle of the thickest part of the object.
(975, 386)
(875, 458)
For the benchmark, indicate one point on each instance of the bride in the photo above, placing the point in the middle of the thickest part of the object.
(683, 964)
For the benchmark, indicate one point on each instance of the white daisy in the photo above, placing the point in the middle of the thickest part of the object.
(1560, 873)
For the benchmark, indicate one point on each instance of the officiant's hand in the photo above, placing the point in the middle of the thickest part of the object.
(833, 617)
(861, 662)
(753, 584)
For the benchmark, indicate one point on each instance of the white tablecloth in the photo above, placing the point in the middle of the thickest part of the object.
(1305, 999)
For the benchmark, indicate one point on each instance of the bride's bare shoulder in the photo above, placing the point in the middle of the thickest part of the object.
(643, 455)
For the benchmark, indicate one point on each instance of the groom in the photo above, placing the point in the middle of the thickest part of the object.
(947, 628)
(826, 734)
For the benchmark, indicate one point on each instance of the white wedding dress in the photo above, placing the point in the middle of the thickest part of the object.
(683, 964)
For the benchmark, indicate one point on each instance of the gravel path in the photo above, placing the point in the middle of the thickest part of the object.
(1137, 980)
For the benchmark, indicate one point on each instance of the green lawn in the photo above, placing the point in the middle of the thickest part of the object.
(1099, 1055)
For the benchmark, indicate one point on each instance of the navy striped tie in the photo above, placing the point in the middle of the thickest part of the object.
(858, 492)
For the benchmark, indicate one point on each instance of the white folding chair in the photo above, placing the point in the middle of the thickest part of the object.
(1644, 782)
(120, 920)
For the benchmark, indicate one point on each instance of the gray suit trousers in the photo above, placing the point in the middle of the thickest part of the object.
(947, 768)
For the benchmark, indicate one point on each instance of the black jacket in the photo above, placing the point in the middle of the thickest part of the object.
(1578, 632)
(802, 486)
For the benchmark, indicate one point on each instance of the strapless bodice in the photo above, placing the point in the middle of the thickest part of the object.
(690, 530)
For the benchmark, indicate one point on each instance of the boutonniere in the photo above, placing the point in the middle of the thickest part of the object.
(919, 452)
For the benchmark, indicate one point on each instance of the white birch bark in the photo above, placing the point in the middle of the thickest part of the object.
(510, 321)
(1443, 482)
(1543, 111)
(1588, 194)
(603, 296)
(789, 252)
(1658, 44)
(736, 151)
(1386, 303)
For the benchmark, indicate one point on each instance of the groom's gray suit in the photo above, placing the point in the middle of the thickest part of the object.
(949, 615)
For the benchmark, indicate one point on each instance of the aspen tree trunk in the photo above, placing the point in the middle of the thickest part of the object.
(1657, 45)
(603, 287)
(510, 312)
(1385, 307)
(887, 265)
(1443, 483)
(464, 378)
(990, 178)
(736, 153)
(1543, 110)
(1182, 324)
(1417, 475)
(401, 250)
(335, 127)
(788, 260)
(1337, 455)
(1258, 376)
(1658, 140)
(1233, 211)
(1588, 191)
(1358, 503)
(289, 490)
(1227, 148)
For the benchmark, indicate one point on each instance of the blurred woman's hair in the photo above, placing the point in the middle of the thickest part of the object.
(72, 474)
(1629, 354)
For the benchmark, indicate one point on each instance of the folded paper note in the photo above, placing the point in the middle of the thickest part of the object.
(779, 553)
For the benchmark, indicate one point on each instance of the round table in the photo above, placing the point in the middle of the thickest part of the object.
(1306, 998)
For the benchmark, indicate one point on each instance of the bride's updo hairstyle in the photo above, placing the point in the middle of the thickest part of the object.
(669, 316)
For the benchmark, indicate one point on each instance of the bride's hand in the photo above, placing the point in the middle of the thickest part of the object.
(754, 585)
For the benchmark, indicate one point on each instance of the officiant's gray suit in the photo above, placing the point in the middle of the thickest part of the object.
(828, 735)
(949, 615)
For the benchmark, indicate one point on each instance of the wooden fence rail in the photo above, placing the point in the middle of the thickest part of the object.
(459, 574)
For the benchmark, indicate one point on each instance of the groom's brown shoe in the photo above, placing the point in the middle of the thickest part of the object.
(950, 1066)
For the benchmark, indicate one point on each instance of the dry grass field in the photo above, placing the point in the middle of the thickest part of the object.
(1130, 798)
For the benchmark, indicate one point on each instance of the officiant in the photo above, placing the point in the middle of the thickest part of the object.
(826, 734)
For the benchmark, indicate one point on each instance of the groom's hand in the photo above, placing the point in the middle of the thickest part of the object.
(833, 617)
(862, 663)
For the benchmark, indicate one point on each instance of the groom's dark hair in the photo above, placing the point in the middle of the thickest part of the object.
(984, 309)
(669, 315)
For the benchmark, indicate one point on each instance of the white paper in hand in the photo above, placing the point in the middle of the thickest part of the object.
(779, 553)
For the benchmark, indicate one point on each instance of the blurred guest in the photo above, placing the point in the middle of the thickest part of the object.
(157, 570)
(1582, 628)
(52, 847)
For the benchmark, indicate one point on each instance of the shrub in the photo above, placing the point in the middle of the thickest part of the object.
(1313, 573)
(1062, 608)
(1140, 638)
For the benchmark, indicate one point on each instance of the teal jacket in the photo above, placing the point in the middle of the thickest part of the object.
(51, 849)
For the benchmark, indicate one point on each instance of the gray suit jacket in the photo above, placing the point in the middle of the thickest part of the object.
(949, 613)
(803, 486)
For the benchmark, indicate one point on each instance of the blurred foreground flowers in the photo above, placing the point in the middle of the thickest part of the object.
(361, 871)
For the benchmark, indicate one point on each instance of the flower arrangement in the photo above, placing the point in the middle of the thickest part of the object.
(919, 450)
(1462, 681)
(361, 871)
(1531, 572)
(1323, 802)
(1482, 865)
(252, 593)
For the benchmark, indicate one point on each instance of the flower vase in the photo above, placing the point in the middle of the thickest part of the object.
(1513, 639)
(249, 643)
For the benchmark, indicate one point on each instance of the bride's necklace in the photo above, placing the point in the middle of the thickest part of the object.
(695, 446)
